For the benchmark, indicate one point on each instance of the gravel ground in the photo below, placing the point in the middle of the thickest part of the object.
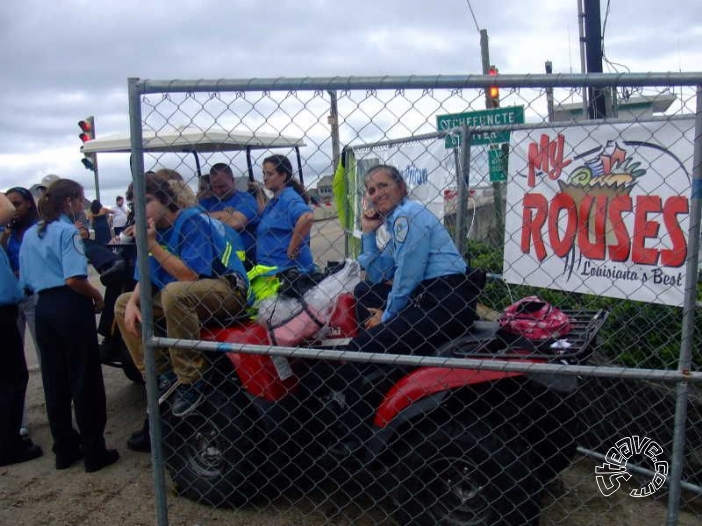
(34, 493)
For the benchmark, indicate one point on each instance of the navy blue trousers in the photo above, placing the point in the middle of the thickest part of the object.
(13, 382)
(440, 310)
(71, 371)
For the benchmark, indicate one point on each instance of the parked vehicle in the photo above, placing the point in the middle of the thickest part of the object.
(447, 446)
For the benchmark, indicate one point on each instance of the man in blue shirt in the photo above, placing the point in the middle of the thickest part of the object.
(13, 373)
(237, 209)
(197, 277)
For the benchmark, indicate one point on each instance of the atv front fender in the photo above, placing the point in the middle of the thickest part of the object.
(427, 381)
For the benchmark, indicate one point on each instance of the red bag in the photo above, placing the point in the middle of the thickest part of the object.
(535, 319)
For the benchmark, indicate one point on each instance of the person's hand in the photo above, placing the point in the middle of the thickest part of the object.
(130, 231)
(151, 233)
(221, 215)
(82, 229)
(98, 302)
(132, 319)
(370, 220)
(375, 319)
(293, 252)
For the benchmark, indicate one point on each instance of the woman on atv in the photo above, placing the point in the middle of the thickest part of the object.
(429, 298)
(419, 294)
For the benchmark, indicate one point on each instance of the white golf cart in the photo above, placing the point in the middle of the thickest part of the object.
(186, 141)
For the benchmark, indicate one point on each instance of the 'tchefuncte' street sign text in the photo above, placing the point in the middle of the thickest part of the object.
(493, 117)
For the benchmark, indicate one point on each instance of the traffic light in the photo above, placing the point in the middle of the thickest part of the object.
(87, 133)
(493, 92)
(87, 129)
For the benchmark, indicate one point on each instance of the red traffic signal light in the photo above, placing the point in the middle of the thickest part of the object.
(493, 92)
(87, 133)
(87, 128)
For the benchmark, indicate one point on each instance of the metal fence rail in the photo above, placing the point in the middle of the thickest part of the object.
(268, 410)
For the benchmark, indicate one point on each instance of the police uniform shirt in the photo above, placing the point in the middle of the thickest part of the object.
(378, 263)
(13, 246)
(47, 262)
(422, 249)
(242, 202)
(10, 292)
(195, 246)
(275, 231)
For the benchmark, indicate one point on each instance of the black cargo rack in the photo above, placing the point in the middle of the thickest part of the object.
(487, 340)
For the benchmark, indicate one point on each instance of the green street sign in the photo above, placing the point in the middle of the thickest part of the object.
(493, 117)
(497, 160)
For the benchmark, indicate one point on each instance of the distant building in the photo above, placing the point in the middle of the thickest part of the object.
(324, 188)
(640, 107)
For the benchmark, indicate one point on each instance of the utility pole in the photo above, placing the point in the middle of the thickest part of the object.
(333, 120)
(485, 58)
(496, 187)
(549, 93)
(597, 108)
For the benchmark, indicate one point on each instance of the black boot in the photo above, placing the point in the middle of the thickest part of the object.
(140, 441)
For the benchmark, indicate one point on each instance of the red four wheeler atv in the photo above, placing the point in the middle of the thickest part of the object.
(447, 446)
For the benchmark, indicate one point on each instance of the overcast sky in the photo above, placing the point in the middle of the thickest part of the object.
(62, 61)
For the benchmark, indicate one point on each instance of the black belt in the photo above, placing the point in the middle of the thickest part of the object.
(53, 290)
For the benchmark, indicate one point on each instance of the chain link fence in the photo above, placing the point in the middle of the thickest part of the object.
(278, 393)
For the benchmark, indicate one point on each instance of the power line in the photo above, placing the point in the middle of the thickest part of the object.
(477, 27)
(604, 25)
(610, 64)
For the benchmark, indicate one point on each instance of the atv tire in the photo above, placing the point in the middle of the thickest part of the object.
(464, 476)
(214, 454)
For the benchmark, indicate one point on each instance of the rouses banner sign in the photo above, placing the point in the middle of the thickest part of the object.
(601, 209)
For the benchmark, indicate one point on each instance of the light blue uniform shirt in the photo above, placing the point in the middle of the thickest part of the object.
(10, 292)
(421, 249)
(379, 264)
(47, 262)
(275, 231)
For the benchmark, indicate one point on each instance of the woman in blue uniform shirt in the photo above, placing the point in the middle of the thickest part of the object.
(53, 264)
(431, 299)
(13, 373)
(283, 233)
(26, 215)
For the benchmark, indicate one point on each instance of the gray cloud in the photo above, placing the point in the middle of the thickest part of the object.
(63, 61)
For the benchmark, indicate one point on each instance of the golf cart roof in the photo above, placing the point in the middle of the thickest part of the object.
(193, 140)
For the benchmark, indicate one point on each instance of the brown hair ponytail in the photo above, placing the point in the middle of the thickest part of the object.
(53, 203)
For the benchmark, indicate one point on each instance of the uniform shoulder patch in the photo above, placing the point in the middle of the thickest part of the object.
(401, 229)
(78, 244)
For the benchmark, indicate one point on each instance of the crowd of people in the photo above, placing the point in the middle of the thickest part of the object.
(203, 251)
